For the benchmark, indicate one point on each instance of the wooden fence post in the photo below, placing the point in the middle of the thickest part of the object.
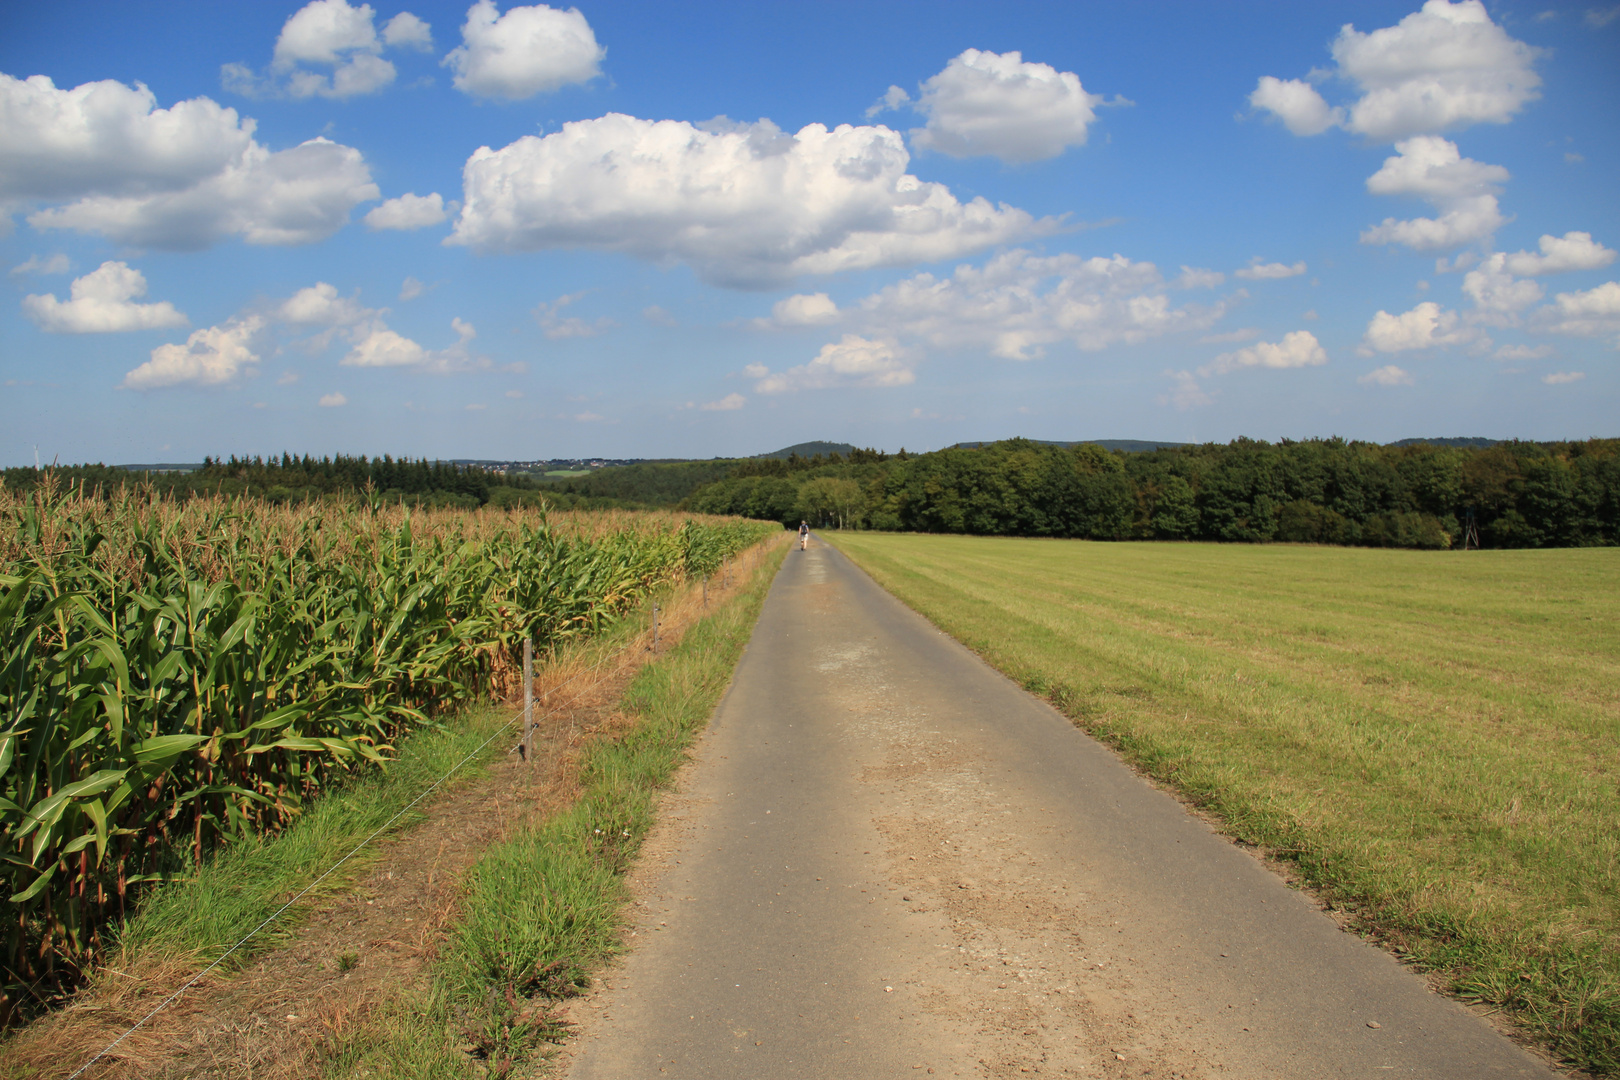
(528, 700)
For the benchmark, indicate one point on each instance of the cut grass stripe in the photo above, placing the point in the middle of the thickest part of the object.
(1430, 738)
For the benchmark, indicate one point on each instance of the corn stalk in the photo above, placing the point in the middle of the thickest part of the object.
(176, 676)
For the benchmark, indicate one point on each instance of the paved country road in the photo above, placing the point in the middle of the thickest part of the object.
(889, 861)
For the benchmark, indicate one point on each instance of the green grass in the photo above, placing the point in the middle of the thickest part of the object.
(541, 910)
(248, 881)
(1432, 739)
(244, 883)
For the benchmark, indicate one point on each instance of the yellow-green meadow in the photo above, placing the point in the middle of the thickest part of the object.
(1432, 739)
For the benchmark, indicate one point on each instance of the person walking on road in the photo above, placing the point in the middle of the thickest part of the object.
(804, 535)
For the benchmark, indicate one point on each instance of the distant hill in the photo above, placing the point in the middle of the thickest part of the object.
(1472, 442)
(809, 449)
(1129, 446)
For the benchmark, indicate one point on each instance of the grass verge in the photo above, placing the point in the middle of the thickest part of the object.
(541, 909)
(1428, 738)
(247, 882)
(182, 926)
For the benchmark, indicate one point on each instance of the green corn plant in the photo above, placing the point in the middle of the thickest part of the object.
(174, 677)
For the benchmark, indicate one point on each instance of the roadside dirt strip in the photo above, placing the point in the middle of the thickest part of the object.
(890, 861)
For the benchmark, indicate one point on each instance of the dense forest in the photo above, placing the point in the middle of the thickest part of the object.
(648, 484)
(1330, 491)
(415, 482)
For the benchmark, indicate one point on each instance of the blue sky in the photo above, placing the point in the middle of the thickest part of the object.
(649, 230)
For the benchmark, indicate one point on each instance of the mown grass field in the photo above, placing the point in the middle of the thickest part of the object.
(1431, 739)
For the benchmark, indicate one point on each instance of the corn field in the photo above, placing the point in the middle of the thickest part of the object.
(177, 675)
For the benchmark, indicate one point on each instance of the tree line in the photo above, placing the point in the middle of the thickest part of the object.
(413, 481)
(291, 479)
(1329, 491)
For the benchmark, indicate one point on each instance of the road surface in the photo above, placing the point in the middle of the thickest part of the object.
(889, 861)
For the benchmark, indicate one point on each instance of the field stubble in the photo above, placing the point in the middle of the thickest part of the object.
(1429, 741)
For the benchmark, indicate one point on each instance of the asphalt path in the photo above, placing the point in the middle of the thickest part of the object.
(890, 861)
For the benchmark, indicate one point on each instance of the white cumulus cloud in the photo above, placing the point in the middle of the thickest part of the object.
(332, 401)
(384, 348)
(1560, 254)
(335, 36)
(213, 356)
(998, 105)
(1582, 314)
(745, 205)
(1299, 105)
(801, 309)
(850, 361)
(1019, 303)
(320, 305)
(324, 32)
(1297, 349)
(527, 51)
(1424, 327)
(406, 31)
(1194, 277)
(726, 404)
(178, 178)
(892, 99)
(317, 315)
(1388, 375)
(1432, 168)
(55, 264)
(1464, 190)
(556, 325)
(1445, 67)
(1259, 270)
(295, 196)
(409, 211)
(105, 138)
(1496, 292)
(1563, 378)
(102, 301)
(1465, 223)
